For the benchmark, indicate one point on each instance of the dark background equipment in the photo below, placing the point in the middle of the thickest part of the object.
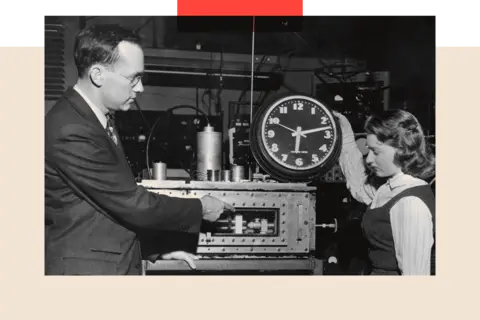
(173, 141)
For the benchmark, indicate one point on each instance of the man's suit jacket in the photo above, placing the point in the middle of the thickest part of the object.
(94, 209)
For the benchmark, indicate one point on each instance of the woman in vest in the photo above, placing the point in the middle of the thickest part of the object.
(399, 223)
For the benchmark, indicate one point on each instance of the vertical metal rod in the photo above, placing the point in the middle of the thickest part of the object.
(251, 77)
(154, 32)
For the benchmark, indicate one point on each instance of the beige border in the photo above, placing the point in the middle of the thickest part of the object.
(27, 294)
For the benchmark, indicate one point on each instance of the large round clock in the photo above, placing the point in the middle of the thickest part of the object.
(296, 138)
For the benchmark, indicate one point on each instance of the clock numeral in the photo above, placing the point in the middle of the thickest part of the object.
(271, 133)
(284, 157)
(299, 162)
(283, 109)
(323, 148)
(324, 120)
(274, 147)
(274, 120)
(298, 106)
(313, 110)
(328, 134)
(315, 158)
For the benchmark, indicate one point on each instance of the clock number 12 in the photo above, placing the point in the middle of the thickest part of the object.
(298, 106)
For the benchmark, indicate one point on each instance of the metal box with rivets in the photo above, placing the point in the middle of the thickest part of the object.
(271, 220)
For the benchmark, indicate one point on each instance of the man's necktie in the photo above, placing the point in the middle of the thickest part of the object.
(111, 127)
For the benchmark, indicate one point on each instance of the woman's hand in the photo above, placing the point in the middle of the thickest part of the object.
(344, 123)
(182, 255)
(345, 126)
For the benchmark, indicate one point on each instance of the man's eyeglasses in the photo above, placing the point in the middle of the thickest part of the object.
(133, 81)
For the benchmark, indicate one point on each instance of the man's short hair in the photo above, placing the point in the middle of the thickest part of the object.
(98, 44)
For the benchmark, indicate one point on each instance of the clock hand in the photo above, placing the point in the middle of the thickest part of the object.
(294, 132)
(311, 131)
(297, 140)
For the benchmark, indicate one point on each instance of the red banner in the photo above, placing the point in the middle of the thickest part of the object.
(239, 8)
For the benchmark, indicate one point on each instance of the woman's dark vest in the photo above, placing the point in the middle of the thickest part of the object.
(378, 231)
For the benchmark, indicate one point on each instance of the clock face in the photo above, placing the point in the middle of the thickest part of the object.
(299, 133)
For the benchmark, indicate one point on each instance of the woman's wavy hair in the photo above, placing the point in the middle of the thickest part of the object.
(402, 131)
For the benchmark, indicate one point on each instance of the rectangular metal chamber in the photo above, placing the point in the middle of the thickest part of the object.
(273, 224)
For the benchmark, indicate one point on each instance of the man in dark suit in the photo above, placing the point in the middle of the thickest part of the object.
(94, 209)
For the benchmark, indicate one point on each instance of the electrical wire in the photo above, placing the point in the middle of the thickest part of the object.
(169, 112)
(153, 127)
(142, 115)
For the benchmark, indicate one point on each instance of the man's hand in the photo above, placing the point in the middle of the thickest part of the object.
(213, 208)
(182, 255)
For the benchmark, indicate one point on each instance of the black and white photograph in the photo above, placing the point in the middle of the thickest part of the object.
(246, 145)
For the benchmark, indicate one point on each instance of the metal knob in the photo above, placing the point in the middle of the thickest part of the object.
(333, 225)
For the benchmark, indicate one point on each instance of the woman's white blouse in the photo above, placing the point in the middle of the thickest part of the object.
(410, 218)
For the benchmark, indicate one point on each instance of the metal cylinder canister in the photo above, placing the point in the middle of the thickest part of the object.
(226, 177)
(209, 152)
(213, 175)
(238, 173)
(159, 171)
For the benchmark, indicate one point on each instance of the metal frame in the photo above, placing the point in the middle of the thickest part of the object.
(311, 265)
(223, 64)
(290, 250)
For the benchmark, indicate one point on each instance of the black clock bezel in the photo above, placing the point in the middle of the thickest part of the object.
(270, 165)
